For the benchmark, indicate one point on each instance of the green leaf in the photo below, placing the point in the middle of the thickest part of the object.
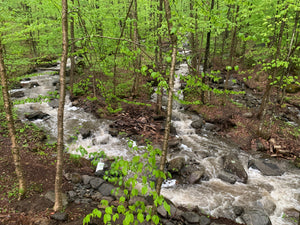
(144, 190)
(115, 217)
(106, 218)
(108, 210)
(167, 207)
(169, 59)
(140, 217)
(155, 219)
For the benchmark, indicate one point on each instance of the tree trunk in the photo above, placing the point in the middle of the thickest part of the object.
(159, 59)
(72, 57)
(137, 60)
(207, 53)
(60, 114)
(170, 95)
(15, 149)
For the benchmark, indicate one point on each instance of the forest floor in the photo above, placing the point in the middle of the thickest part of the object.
(38, 158)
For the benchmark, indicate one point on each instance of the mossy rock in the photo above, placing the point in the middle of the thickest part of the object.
(292, 88)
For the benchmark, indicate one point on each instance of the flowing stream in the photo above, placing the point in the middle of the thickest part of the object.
(278, 195)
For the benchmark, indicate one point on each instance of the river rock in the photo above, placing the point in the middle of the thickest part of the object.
(268, 204)
(176, 164)
(204, 220)
(36, 115)
(195, 176)
(33, 84)
(54, 103)
(256, 217)
(191, 217)
(265, 167)
(17, 94)
(85, 133)
(227, 177)
(198, 124)
(232, 164)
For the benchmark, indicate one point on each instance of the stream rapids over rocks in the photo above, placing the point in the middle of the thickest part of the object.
(217, 177)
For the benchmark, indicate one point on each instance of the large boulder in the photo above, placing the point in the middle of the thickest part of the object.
(256, 217)
(231, 164)
(265, 167)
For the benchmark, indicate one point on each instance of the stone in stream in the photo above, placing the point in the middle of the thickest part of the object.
(227, 177)
(195, 176)
(176, 164)
(17, 94)
(36, 115)
(232, 164)
(33, 84)
(85, 133)
(265, 167)
(256, 217)
(198, 124)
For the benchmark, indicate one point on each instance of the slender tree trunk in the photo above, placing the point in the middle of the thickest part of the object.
(170, 95)
(232, 47)
(58, 206)
(207, 53)
(225, 34)
(15, 149)
(72, 57)
(159, 58)
(137, 60)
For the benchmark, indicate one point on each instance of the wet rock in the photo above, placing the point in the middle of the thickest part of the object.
(53, 103)
(265, 167)
(238, 210)
(198, 124)
(37, 115)
(176, 164)
(196, 176)
(211, 127)
(85, 133)
(174, 143)
(106, 189)
(227, 177)
(267, 204)
(204, 220)
(96, 182)
(232, 164)
(60, 216)
(256, 217)
(113, 132)
(33, 84)
(17, 94)
(191, 217)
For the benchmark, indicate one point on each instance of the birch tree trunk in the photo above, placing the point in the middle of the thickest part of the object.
(60, 114)
(11, 127)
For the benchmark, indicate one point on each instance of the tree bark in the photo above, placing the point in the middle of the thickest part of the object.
(72, 57)
(170, 95)
(60, 114)
(15, 149)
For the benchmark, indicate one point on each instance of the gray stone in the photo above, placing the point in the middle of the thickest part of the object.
(238, 210)
(113, 132)
(204, 220)
(86, 179)
(106, 189)
(60, 216)
(161, 211)
(176, 164)
(227, 177)
(51, 196)
(97, 196)
(72, 195)
(53, 103)
(265, 167)
(85, 200)
(191, 217)
(198, 124)
(211, 127)
(33, 84)
(85, 133)
(196, 176)
(36, 115)
(232, 164)
(256, 217)
(96, 182)
(17, 94)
